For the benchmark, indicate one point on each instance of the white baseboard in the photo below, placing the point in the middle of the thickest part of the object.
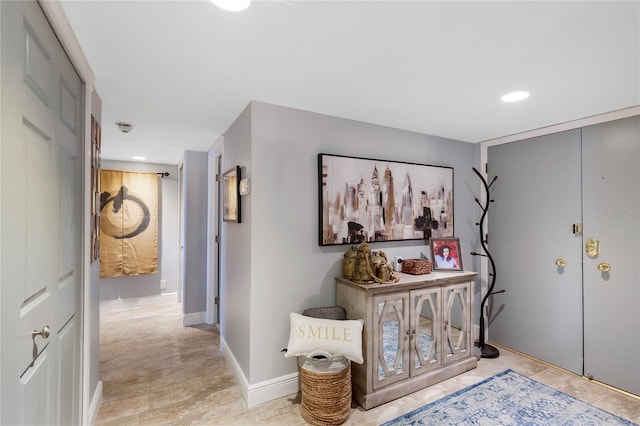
(194, 318)
(267, 390)
(94, 406)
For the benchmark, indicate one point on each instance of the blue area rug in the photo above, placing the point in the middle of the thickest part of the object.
(509, 398)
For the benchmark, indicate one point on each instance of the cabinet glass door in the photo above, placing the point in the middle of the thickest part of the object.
(456, 322)
(425, 328)
(391, 339)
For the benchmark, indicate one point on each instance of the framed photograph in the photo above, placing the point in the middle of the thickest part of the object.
(368, 200)
(231, 195)
(446, 254)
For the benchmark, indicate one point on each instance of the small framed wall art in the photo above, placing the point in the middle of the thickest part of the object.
(95, 188)
(231, 195)
(446, 255)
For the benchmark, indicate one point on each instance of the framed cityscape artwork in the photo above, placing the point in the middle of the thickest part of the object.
(368, 200)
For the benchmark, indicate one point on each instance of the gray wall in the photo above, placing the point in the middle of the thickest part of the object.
(236, 253)
(273, 264)
(92, 312)
(149, 285)
(195, 193)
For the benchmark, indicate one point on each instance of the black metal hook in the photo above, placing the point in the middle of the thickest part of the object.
(486, 350)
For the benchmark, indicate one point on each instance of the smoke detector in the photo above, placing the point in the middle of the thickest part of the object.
(124, 127)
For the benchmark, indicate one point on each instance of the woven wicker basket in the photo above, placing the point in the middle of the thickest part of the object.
(416, 266)
(326, 390)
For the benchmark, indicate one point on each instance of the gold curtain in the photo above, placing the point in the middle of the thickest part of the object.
(128, 223)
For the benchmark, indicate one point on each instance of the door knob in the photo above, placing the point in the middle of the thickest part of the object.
(604, 267)
(561, 263)
(44, 332)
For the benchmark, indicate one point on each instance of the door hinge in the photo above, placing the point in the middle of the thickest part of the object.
(486, 167)
(217, 238)
(217, 177)
(216, 300)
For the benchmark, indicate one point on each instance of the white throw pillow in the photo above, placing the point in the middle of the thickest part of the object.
(310, 335)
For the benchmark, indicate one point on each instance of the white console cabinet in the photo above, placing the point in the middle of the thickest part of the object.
(417, 332)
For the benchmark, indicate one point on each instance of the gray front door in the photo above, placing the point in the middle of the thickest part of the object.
(41, 222)
(537, 201)
(584, 316)
(611, 181)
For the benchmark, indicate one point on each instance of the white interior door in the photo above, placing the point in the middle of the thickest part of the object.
(537, 200)
(611, 179)
(218, 225)
(40, 219)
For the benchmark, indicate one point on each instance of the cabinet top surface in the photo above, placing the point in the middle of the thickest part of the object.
(408, 281)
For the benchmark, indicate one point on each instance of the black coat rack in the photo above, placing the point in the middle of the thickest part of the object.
(486, 350)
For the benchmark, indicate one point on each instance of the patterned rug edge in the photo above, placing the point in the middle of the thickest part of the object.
(398, 420)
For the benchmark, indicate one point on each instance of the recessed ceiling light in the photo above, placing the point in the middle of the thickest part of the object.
(515, 96)
(232, 5)
(138, 158)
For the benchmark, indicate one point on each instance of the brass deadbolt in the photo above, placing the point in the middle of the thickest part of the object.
(592, 247)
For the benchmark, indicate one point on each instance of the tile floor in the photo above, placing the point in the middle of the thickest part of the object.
(156, 372)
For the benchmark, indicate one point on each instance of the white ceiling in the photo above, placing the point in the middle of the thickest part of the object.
(182, 71)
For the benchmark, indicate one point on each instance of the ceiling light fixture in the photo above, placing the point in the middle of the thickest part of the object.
(138, 158)
(232, 5)
(124, 127)
(515, 96)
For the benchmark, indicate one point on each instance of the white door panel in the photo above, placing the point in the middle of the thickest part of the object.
(68, 372)
(28, 263)
(38, 72)
(68, 224)
(69, 101)
(34, 408)
(40, 219)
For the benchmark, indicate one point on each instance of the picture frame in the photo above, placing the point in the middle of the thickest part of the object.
(96, 135)
(370, 200)
(446, 254)
(231, 195)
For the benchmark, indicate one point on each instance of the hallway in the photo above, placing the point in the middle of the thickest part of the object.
(156, 372)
